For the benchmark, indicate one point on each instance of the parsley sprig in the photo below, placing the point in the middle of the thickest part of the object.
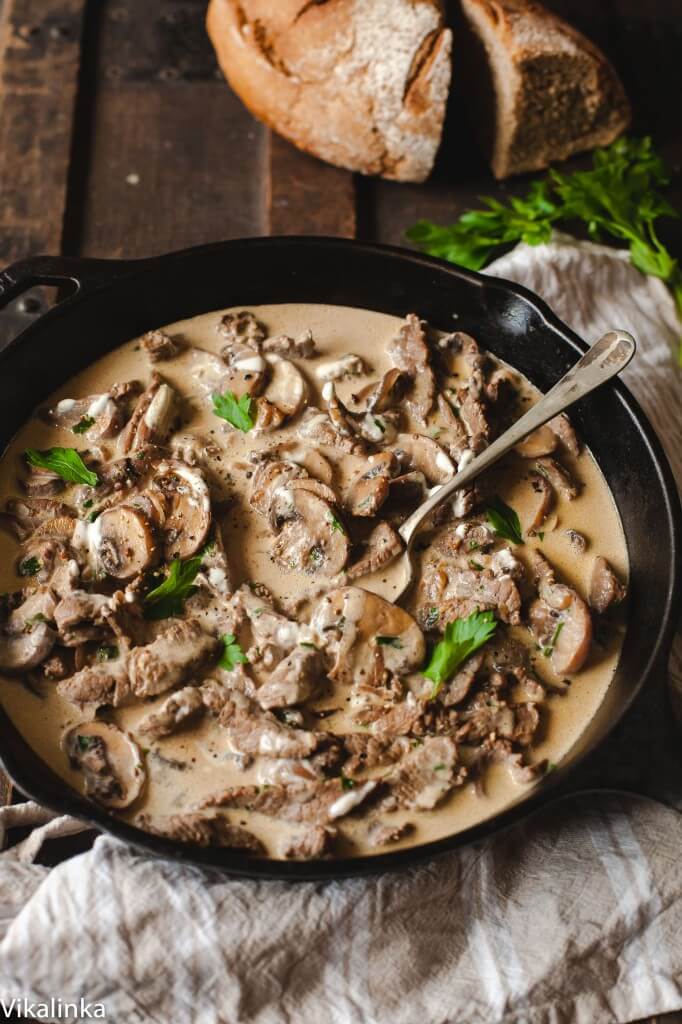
(65, 462)
(232, 653)
(169, 597)
(461, 639)
(504, 521)
(619, 196)
(237, 411)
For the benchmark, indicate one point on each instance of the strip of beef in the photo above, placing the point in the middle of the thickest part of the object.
(424, 777)
(159, 346)
(560, 620)
(409, 353)
(80, 617)
(296, 679)
(242, 328)
(379, 833)
(605, 587)
(366, 751)
(152, 417)
(181, 707)
(402, 720)
(103, 683)
(458, 688)
(98, 417)
(252, 731)
(459, 438)
(381, 547)
(559, 477)
(562, 427)
(201, 830)
(316, 843)
(301, 347)
(500, 751)
(317, 803)
(179, 653)
(42, 483)
(30, 513)
(448, 592)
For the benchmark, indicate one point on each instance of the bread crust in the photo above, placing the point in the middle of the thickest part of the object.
(555, 93)
(359, 83)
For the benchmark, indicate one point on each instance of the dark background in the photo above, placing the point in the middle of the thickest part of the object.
(119, 137)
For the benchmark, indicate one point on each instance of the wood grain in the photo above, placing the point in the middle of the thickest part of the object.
(304, 196)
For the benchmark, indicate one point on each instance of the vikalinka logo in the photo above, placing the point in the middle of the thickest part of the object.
(53, 1009)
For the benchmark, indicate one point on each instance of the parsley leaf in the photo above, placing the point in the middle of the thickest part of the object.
(618, 196)
(29, 567)
(504, 521)
(84, 423)
(237, 411)
(346, 783)
(232, 654)
(336, 525)
(65, 462)
(107, 652)
(390, 641)
(461, 639)
(547, 651)
(169, 597)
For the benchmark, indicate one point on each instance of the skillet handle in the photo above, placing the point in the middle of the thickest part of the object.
(58, 270)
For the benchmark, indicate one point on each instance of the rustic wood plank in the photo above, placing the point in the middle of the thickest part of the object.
(305, 196)
(39, 64)
(168, 156)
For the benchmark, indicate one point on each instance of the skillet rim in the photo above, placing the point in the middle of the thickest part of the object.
(93, 277)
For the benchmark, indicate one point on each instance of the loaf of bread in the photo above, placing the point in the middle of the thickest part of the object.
(359, 83)
(538, 89)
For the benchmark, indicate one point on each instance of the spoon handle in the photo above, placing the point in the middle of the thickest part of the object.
(606, 358)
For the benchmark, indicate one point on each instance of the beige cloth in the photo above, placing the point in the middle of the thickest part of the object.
(574, 916)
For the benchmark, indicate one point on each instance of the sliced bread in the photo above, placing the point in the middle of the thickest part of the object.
(359, 83)
(539, 90)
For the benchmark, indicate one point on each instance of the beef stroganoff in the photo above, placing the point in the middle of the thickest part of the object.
(194, 531)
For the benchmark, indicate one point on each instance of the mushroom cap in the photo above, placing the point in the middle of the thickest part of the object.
(353, 619)
(23, 651)
(378, 396)
(312, 540)
(188, 507)
(542, 441)
(268, 478)
(308, 458)
(423, 453)
(125, 542)
(110, 761)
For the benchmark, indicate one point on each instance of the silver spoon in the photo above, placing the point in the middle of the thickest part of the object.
(606, 358)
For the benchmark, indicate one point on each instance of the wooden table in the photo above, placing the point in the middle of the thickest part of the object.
(119, 137)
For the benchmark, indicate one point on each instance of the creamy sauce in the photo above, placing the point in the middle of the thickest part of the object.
(184, 767)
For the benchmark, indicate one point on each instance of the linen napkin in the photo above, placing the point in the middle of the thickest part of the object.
(573, 916)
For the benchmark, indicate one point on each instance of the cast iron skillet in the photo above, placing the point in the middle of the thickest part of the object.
(118, 300)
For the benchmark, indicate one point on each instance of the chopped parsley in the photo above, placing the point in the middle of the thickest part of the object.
(336, 525)
(504, 521)
(346, 783)
(232, 654)
(390, 641)
(475, 565)
(380, 426)
(547, 651)
(237, 411)
(541, 534)
(461, 639)
(84, 423)
(107, 652)
(169, 597)
(65, 462)
(84, 742)
(88, 503)
(29, 566)
(432, 617)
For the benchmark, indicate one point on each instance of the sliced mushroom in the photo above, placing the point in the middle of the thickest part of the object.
(362, 629)
(605, 587)
(408, 488)
(416, 451)
(560, 620)
(286, 390)
(317, 426)
(270, 476)
(100, 416)
(110, 761)
(310, 459)
(370, 489)
(281, 507)
(544, 489)
(152, 417)
(125, 542)
(42, 483)
(563, 428)
(381, 547)
(542, 441)
(348, 365)
(559, 477)
(27, 649)
(312, 540)
(381, 395)
(188, 507)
